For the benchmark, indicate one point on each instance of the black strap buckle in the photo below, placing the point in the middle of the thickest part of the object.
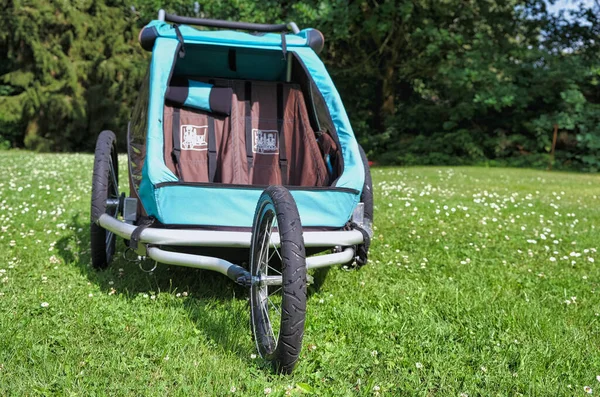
(134, 240)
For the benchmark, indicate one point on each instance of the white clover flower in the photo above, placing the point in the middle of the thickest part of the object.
(418, 365)
(268, 390)
(45, 304)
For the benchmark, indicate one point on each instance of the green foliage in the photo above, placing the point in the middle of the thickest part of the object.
(72, 70)
(424, 82)
(453, 82)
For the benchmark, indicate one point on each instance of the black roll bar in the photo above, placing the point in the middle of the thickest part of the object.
(217, 23)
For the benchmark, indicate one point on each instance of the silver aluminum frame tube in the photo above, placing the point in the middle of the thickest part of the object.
(225, 267)
(189, 260)
(216, 238)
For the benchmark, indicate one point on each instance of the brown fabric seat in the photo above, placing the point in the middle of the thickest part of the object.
(266, 140)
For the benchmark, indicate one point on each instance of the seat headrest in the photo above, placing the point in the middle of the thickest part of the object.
(199, 95)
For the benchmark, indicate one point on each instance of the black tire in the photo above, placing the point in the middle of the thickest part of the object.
(278, 334)
(105, 185)
(366, 197)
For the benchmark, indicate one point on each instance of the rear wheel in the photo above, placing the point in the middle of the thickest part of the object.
(366, 197)
(105, 198)
(278, 291)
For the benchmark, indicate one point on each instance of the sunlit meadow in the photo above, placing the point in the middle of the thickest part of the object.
(481, 282)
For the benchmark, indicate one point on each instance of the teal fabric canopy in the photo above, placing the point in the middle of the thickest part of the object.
(226, 205)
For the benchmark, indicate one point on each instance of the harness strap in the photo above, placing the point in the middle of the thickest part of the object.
(176, 153)
(248, 120)
(145, 223)
(180, 39)
(212, 143)
(283, 164)
(212, 149)
(283, 46)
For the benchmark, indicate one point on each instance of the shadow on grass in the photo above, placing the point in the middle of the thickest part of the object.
(206, 289)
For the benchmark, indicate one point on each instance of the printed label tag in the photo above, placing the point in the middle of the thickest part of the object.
(265, 141)
(194, 137)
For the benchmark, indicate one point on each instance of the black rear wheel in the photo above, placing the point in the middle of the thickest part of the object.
(278, 291)
(366, 197)
(105, 198)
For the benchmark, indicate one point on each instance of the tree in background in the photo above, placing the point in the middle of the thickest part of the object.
(71, 70)
(424, 81)
(572, 41)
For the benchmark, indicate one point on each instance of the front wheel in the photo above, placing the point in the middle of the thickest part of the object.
(278, 290)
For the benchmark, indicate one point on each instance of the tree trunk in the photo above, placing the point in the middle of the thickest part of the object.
(384, 105)
(388, 93)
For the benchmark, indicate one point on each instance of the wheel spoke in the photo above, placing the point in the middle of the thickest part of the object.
(274, 307)
(276, 291)
(264, 305)
(275, 250)
(109, 238)
(278, 254)
(262, 251)
(114, 178)
(270, 329)
(275, 270)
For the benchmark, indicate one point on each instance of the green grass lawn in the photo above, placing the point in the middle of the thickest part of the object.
(481, 282)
